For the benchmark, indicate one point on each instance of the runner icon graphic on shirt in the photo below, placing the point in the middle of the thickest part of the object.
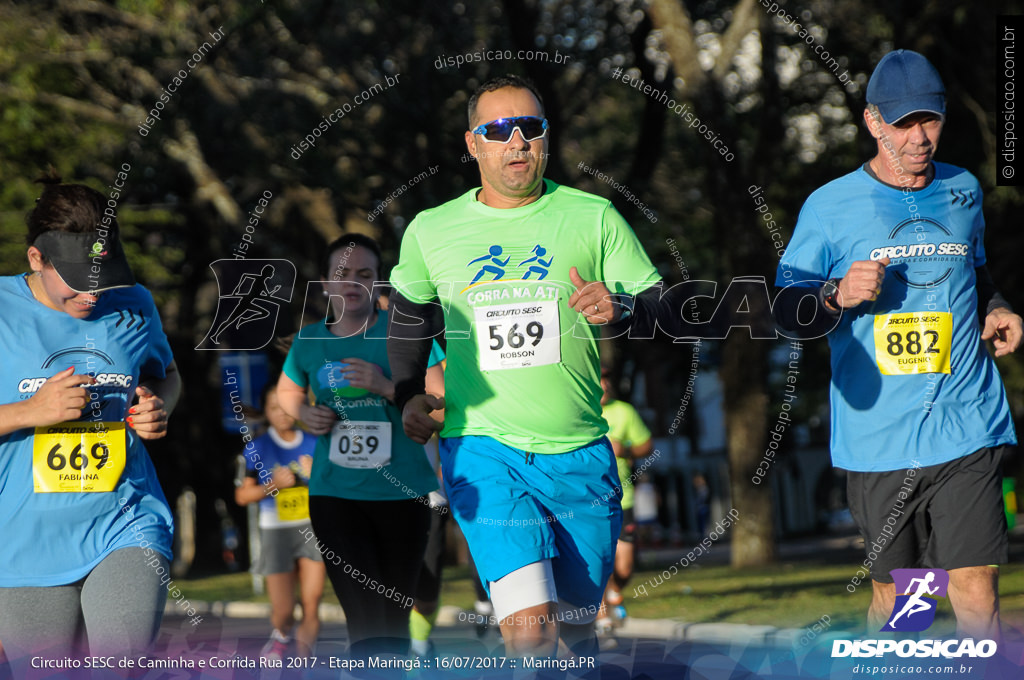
(497, 267)
(541, 268)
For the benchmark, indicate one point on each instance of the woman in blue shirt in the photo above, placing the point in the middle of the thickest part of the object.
(86, 527)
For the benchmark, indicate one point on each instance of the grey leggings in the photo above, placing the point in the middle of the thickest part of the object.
(114, 610)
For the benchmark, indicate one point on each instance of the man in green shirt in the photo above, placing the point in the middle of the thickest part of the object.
(524, 270)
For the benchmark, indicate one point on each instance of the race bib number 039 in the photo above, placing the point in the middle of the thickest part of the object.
(518, 335)
(914, 342)
(78, 457)
(361, 444)
(293, 503)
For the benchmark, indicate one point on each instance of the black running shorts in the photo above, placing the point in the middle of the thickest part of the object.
(944, 516)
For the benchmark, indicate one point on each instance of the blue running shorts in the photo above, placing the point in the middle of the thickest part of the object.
(515, 508)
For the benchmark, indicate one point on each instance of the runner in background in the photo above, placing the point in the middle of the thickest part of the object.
(283, 455)
(368, 490)
(428, 589)
(630, 439)
(86, 528)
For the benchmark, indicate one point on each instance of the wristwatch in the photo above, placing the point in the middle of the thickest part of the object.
(830, 294)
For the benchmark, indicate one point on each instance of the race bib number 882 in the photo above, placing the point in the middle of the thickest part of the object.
(914, 342)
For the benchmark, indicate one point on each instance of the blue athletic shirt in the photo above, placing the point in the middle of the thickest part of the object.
(354, 463)
(57, 538)
(273, 451)
(911, 378)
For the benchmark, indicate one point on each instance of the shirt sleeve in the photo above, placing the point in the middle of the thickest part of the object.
(625, 267)
(250, 459)
(978, 243)
(807, 257)
(436, 354)
(158, 355)
(292, 365)
(636, 432)
(411, 277)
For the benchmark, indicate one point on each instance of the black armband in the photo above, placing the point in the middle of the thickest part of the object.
(989, 297)
(793, 314)
(639, 313)
(657, 312)
(412, 328)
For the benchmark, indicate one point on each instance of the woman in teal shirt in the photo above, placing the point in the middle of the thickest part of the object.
(369, 483)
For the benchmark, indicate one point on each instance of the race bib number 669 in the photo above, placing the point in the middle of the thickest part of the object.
(78, 457)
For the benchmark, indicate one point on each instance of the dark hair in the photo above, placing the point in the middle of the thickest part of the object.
(498, 83)
(72, 208)
(348, 241)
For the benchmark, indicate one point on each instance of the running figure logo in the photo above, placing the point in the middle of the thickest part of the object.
(496, 266)
(541, 267)
(914, 610)
(246, 317)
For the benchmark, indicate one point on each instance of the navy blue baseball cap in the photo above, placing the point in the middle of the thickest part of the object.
(904, 82)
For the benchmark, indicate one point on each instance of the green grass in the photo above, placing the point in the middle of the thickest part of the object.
(786, 595)
(237, 587)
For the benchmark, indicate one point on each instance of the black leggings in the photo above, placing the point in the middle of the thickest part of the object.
(429, 587)
(372, 551)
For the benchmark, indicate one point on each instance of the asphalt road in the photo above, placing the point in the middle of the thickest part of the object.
(461, 654)
(228, 649)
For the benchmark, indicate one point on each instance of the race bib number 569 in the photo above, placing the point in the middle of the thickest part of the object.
(518, 335)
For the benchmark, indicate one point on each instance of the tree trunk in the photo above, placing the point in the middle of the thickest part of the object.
(744, 367)
(743, 375)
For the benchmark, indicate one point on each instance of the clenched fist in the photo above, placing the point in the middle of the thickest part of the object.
(862, 283)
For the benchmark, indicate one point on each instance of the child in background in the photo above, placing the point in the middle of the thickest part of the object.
(280, 460)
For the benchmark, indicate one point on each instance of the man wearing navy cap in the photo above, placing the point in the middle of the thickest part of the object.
(919, 414)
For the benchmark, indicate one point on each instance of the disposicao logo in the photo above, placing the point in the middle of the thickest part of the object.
(914, 610)
(917, 596)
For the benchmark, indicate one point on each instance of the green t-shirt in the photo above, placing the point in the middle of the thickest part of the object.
(626, 427)
(355, 460)
(523, 367)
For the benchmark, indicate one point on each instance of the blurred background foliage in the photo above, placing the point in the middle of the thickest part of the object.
(77, 78)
